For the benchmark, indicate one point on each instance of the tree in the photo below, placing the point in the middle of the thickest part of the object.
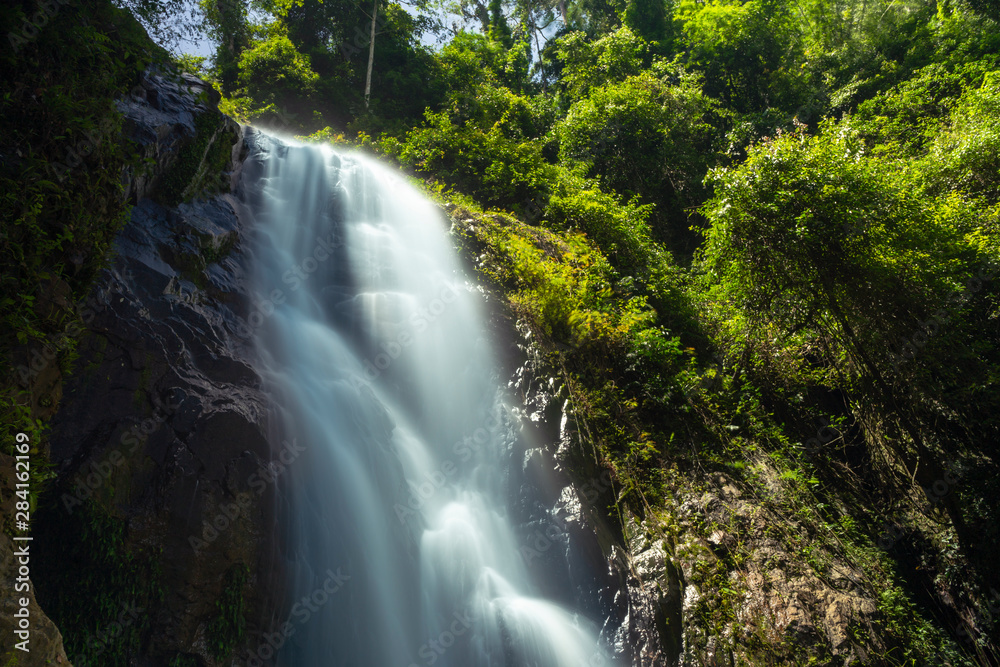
(647, 135)
(811, 238)
(649, 19)
(587, 64)
(499, 30)
(315, 26)
(167, 21)
(226, 24)
(747, 52)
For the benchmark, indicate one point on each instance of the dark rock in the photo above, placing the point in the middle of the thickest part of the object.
(163, 117)
(165, 378)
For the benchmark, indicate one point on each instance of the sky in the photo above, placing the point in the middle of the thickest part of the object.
(202, 46)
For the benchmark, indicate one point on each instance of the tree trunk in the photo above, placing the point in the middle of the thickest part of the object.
(371, 56)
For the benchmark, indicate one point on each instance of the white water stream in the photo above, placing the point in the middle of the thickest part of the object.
(377, 356)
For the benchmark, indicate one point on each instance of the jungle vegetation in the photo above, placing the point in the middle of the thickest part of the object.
(754, 237)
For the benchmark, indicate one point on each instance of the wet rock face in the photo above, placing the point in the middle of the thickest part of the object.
(781, 602)
(623, 576)
(166, 113)
(164, 425)
(653, 627)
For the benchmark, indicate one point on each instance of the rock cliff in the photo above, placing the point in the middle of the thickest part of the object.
(157, 532)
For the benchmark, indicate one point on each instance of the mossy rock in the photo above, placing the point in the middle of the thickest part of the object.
(201, 165)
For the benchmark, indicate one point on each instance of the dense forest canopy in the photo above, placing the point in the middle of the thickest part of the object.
(752, 236)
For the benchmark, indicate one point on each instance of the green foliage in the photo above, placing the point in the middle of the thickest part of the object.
(620, 230)
(499, 30)
(647, 135)
(588, 64)
(406, 77)
(879, 271)
(271, 75)
(746, 50)
(470, 63)
(809, 235)
(312, 25)
(18, 419)
(649, 19)
(226, 22)
(190, 64)
(274, 65)
(570, 298)
(807, 229)
(496, 165)
(199, 163)
(909, 116)
(966, 155)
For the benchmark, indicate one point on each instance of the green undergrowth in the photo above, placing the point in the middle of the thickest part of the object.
(200, 165)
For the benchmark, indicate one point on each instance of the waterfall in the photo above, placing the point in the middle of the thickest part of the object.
(398, 541)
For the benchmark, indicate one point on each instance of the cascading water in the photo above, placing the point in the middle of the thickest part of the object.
(398, 543)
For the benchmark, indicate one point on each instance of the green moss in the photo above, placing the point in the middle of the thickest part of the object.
(145, 383)
(192, 267)
(212, 254)
(228, 629)
(200, 163)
